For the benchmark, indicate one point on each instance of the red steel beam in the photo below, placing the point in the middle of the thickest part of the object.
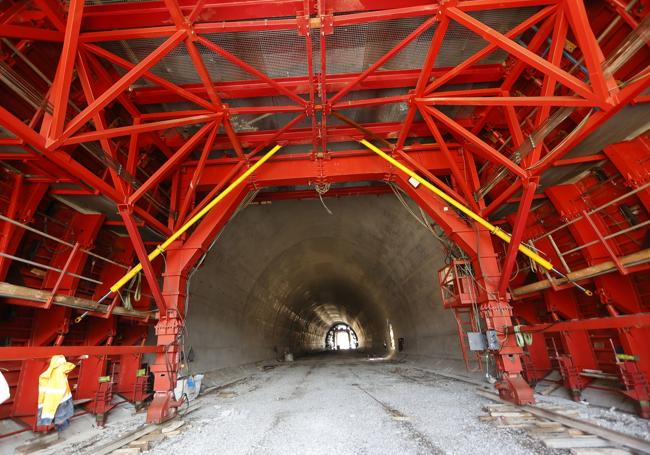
(300, 84)
(637, 85)
(109, 95)
(459, 179)
(198, 171)
(163, 83)
(53, 11)
(44, 352)
(478, 5)
(172, 163)
(571, 101)
(516, 236)
(30, 33)
(126, 212)
(487, 50)
(425, 74)
(335, 133)
(68, 165)
(100, 123)
(593, 57)
(483, 149)
(250, 69)
(63, 79)
(137, 19)
(613, 322)
(522, 53)
(299, 169)
(383, 59)
(139, 128)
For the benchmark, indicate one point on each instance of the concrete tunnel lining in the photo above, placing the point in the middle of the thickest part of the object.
(281, 274)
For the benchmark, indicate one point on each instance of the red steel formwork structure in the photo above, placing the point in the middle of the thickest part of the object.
(122, 120)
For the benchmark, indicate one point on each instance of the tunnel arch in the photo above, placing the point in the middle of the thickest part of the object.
(371, 257)
(331, 342)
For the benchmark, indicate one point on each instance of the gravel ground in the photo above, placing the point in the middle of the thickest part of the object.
(340, 403)
(346, 405)
(608, 418)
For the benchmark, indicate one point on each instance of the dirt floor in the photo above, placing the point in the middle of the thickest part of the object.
(342, 403)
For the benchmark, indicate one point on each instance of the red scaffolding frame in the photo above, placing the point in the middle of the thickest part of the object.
(554, 63)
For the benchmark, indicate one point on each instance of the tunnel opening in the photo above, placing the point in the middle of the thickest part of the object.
(287, 276)
(341, 337)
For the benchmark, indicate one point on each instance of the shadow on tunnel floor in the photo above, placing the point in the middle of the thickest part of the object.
(349, 354)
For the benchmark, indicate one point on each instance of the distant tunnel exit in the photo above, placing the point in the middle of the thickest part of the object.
(341, 337)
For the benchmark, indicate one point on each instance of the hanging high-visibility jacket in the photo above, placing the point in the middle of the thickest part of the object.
(53, 387)
(4, 389)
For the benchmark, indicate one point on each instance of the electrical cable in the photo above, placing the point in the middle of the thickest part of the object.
(321, 189)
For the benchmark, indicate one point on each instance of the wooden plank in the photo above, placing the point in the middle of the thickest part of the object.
(575, 441)
(173, 426)
(124, 440)
(546, 430)
(37, 295)
(39, 443)
(510, 414)
(640, 257)
(611, 435)
(599, 451)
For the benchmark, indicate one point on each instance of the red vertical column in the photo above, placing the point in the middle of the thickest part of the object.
(181, 257)
(497, 312)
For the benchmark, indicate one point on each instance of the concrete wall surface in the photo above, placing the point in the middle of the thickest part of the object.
(281, 274)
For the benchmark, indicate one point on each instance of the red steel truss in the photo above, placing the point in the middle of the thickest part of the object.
(156, 150)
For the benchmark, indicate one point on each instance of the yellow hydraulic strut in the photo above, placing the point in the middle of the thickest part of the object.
(483, 222)
(163, 246)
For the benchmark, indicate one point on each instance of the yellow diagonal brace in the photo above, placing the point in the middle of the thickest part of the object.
(163, 246)
(451, 201)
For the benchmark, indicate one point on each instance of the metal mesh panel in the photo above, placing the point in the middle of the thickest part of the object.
(134, 51)
(351, 49)
(5, 133)
(13, 149)
(276, 53)
(222, 70)
(460, 42)
(354, 48)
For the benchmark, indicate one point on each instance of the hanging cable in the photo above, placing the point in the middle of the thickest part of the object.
(321, 189)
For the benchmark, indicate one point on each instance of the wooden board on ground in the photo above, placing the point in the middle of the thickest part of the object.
(571, 442)
(600, 451)
(610, 436)
(141, 444)
(124, 440)
(126, 451)
(38, 443)
(172, 427)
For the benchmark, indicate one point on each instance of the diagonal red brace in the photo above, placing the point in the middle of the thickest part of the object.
(62, 275)
(126, 211)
